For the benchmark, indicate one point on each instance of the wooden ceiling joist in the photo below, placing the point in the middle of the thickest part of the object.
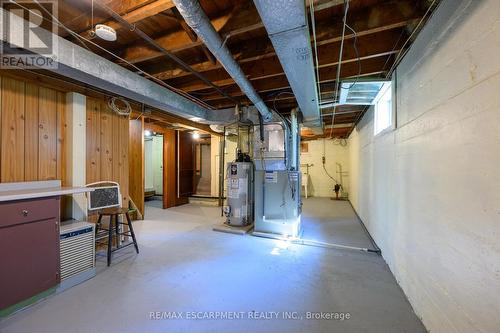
(368, 47)
(382, 27)
(371, 20)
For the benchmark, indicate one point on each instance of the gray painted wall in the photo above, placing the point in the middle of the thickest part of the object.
(429, 191)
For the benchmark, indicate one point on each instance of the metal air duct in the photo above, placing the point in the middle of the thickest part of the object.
(196, 18)
(286, 25)
(78, 64)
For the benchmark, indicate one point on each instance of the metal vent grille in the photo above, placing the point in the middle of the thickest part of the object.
(77, 251)
(360, 93)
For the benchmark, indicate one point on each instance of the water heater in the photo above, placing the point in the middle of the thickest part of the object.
(239, 208)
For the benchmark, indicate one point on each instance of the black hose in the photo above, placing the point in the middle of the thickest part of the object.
(261, 127)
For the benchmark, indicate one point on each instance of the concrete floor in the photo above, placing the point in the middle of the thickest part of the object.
(184, 266)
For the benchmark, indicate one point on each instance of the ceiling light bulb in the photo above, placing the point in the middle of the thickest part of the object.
(196, 135)
(147, 133)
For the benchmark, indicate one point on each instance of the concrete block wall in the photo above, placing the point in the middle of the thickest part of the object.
(428, 191)
(320, 185)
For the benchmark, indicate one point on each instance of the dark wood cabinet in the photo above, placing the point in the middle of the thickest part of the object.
(29, 248)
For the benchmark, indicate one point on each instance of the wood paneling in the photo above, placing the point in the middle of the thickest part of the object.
(12, 155)
(93, 140)
(107, 146)
(106, 130)
(62, 126)
(31, 133)
(136, 163)
(32, 127)
(122, 172)
(47, 134)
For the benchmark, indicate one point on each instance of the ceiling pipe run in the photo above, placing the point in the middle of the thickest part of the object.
(196, 18)
(80, 65)
(164, 51)
(286, 24)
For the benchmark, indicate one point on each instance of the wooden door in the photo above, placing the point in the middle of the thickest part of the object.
(186, 169)
(169, 168)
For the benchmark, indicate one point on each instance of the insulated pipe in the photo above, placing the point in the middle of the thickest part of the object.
(286, 24)
(196, 18)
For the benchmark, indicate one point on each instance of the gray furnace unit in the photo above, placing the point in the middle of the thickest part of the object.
(239, 209)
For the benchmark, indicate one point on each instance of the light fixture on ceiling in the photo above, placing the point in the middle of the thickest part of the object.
(105, 32)
(102, 31)
(196, 135)
(147, 133)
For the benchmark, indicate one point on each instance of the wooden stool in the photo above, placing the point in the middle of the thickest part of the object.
(113, 214)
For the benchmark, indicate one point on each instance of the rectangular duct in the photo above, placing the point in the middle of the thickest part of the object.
(81, 65)
(286, 25)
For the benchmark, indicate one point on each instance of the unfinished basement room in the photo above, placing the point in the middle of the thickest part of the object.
(259, 166)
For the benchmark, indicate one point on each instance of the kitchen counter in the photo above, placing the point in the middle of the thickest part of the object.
(29, 240)
(40, 189)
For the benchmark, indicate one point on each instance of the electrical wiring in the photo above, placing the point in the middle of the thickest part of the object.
(278, 95)
(139, 71)
(324, 168)
(122, 111)
(355, 46)
(402, 52)
(339, 66)
(337, 79)
(313, 22)
(71, 32)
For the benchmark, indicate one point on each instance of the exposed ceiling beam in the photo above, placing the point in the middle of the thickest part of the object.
(176, 41)
(320, 5)
(372, 67)
(377, 16)
(378, 45)
(138, 13)
(244, 60)
(82, 22)
(192, 35)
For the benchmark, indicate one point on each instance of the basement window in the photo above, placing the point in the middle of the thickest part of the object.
(384, 113)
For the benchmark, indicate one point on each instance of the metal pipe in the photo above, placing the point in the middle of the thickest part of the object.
(222, 149)
(164, 51)
(196, 18)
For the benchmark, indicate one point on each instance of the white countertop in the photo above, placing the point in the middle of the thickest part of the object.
(32, 190)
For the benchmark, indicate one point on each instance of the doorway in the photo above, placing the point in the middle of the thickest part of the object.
(153, 168)
(203, 167)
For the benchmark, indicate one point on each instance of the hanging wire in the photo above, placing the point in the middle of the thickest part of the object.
(278, 95)
(355, 46)
(313, 22)
(336, 92)
(402, 52)
(68, 30)
(140, 71)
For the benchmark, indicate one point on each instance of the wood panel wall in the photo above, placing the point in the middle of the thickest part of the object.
(136, 158)
(32, 128)
(33, 135)
(107, 146)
